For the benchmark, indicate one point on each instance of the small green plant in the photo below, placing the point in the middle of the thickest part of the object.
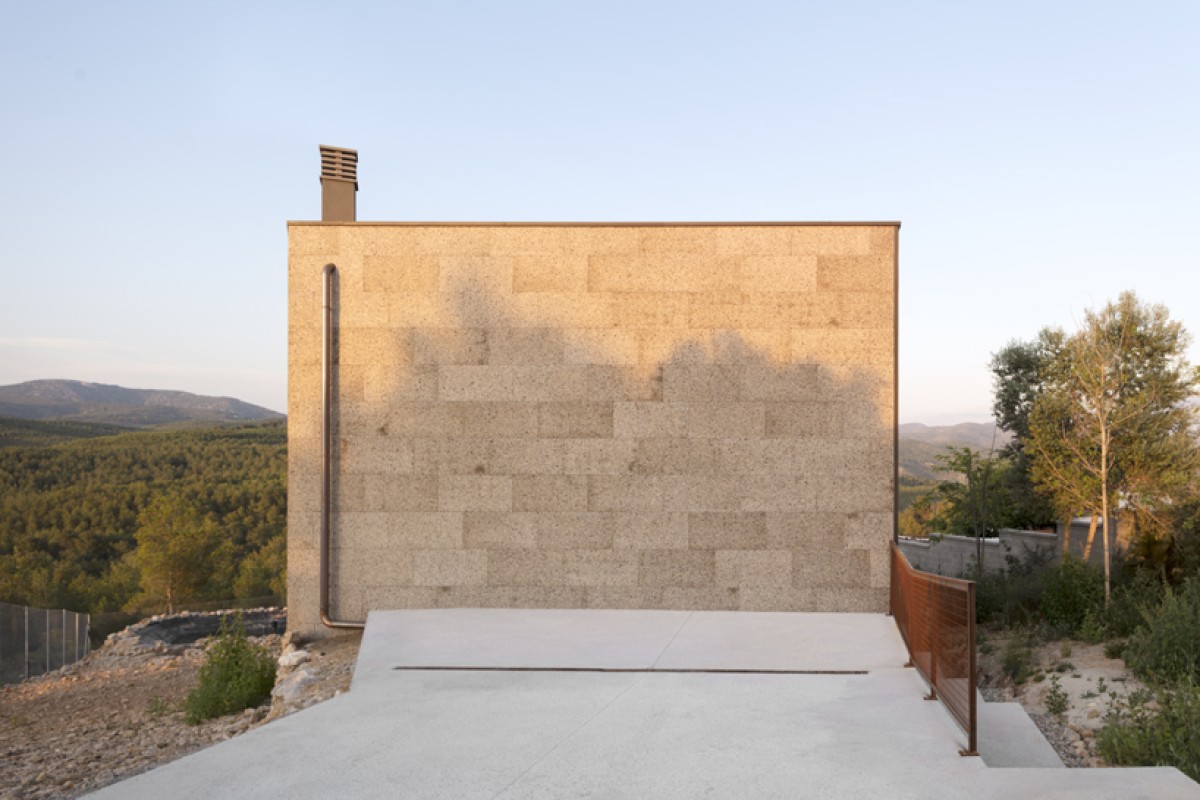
(1136, 735)
(157, 708)
(1071, 590)
(1056, 699)
(1065, 666)
(1017, 660)
(1065, 650)
(236, 675)
(1115, 648)
(1166, 649)
(1101, 686)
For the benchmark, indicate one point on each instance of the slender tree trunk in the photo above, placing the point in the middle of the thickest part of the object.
(1104, 514)
(1066, 536)
(1087, 547)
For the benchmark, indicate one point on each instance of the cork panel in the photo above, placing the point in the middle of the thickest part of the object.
(449, 567)
(769, 492)
(795, 382)
(501, 420)
(647, 531)
(677, 239)
(499, 529)
(849, 599)
(525, 567)
(776, 598)
(701, 598)
(649, 310)
(400, 273)
(778, 273)
(618, 383)
(804, 420)
(644, 420)
(727, 531)
(304, 346)
(575, 420)
(505, 597)
(319, 240)
(528, 346)
(398, 493)
(861, 493)
(559, 272)
(872, 273)
(528, 457)
(560, 310)
(596, 346)
(753, 240)
(702, 383)
(391, 382)
(549, 493)
(866, 420)
(804, 530)
(371, 565)
(575, 531)
(442, 240)
(667, 456)
(710, 420)
(704, 493)
(689, 568)
(416, 420)
(487, 274)
(831, 240)
(476, 383)
(450, 346)
(744, 568)
(600, 568)
(434, 456)
(376, 454)
(664, 272)
(625, 493)
(881, 568)
(405, 529)
(625, 597)
(833, 567)
(868, 530)
(597, 456)
(549, 383)
(870, 348)
(475, 493)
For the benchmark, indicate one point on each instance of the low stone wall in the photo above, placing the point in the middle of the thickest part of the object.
(190, 626)
(954, 556)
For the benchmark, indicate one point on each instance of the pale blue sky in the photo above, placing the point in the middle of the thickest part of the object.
(1042, 157)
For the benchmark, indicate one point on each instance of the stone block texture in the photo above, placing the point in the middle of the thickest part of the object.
(598, 416)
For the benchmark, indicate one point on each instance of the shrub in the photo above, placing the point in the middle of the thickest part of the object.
(1017, 660)
(1070, 591)
(1010, 597)
(1056, 698)
(1135, 735)
(1129, 600)
(236, 675)
(1166, 649)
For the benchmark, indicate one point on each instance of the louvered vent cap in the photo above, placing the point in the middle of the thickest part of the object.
(339, 163)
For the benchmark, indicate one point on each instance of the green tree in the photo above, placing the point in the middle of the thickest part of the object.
(1112, 424)
(177, 550)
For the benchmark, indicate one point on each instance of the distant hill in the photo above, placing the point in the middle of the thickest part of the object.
(81, 402)
(921, 444)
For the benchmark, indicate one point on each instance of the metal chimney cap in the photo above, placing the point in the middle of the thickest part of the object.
(339, 163)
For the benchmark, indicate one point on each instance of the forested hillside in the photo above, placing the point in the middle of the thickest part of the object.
(72, 515)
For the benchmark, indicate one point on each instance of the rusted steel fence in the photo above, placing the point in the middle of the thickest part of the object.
(936, 617)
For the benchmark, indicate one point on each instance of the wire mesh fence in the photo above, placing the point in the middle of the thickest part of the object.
(936, 618)
(38, 640)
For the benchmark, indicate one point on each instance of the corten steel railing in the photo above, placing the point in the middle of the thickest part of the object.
(936, 617)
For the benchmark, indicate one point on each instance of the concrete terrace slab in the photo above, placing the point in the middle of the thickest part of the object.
(563, 734)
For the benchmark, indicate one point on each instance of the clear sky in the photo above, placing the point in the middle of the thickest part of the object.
(1042, 157)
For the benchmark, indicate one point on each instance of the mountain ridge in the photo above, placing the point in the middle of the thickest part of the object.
(83, 401)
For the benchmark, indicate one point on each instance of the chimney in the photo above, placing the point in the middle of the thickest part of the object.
(339, 182)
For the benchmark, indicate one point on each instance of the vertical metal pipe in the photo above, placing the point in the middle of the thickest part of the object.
(973, 723)
(47, 640)
(63, 633)
(26, 642)
(327, 444)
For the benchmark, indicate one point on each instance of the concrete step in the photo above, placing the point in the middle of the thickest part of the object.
(1009, 738)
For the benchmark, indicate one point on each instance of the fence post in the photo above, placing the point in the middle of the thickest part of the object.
(26, 642)
(87, 634)
(64, 638)
(973, 723)
(931, 607)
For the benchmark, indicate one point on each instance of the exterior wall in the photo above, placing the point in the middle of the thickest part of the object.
(602, 416)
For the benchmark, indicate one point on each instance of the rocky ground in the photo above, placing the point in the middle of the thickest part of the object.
(120, 711)
(1088, 678)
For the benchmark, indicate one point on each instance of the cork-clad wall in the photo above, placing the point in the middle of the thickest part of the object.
(596, 416)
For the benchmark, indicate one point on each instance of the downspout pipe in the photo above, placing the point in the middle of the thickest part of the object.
(327, 444)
